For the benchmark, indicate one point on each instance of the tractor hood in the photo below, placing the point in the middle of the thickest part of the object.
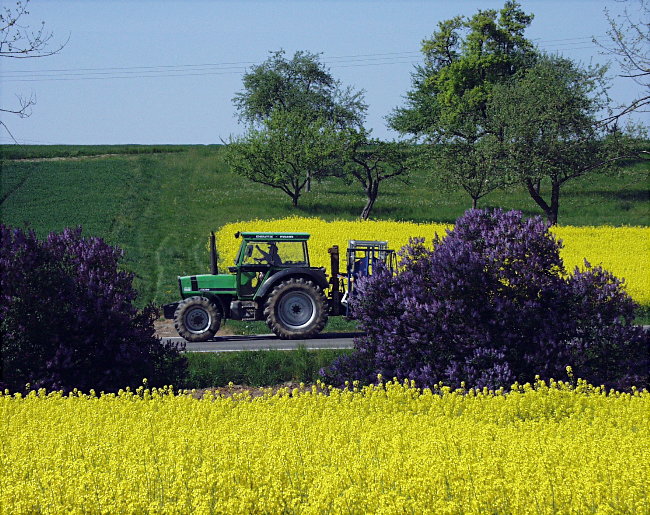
(198, 284)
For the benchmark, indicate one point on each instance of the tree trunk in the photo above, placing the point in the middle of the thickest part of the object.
(371, 196)
(367, 208)
(474, 202)
(555, 203)
(533, 190)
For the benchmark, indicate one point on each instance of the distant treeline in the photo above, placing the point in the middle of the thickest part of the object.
(54, 151)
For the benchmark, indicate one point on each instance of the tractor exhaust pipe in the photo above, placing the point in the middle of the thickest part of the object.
(335, 292)
(213, 254)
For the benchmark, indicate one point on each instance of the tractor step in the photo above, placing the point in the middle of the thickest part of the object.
(169, 310)
(245, 310)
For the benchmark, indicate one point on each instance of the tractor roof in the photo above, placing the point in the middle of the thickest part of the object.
(275, 236)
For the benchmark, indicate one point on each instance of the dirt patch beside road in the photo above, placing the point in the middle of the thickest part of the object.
(165, 329)
(242, 392)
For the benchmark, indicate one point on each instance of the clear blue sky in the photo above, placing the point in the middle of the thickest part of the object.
(162, 71)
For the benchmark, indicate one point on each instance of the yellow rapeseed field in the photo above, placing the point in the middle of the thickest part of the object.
(625, 251)
(389, 448)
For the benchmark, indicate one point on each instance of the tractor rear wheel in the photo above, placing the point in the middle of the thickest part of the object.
(197, 319)
(296, 308)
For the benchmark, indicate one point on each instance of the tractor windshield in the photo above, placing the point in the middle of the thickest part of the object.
(276, 253)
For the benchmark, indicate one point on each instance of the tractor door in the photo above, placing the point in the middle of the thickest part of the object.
(252, 270)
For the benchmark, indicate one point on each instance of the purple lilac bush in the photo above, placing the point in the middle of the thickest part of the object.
(68, 319)
(491, 304)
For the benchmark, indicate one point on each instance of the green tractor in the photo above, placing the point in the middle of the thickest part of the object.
(272, 280)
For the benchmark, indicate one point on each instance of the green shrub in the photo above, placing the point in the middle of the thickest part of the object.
(257, 368)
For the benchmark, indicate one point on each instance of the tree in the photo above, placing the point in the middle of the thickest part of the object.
(301, 83)
(548, 116)
(629, 44)
(287, 151)
(474, 165)
(491, 304)
(17, 41)
(446, 106)
(371, 162)
(67, 318)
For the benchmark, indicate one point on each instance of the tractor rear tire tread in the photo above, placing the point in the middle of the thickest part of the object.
(319, 304)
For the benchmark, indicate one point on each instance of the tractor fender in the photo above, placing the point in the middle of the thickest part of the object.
(217, 300)
(221, 303)
(317, 276)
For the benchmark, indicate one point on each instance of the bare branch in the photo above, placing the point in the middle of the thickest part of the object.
(24, 109)
(18, 41)
(629, 44)
(634, 106)
(9, 132)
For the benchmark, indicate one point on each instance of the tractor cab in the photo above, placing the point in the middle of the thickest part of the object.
(262, 255)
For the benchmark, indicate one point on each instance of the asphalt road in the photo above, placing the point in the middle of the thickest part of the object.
(267, 342)
(270, 341)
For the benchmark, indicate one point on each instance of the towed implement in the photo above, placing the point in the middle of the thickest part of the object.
(272, 280)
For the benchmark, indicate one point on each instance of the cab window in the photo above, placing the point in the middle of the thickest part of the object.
(281, 253)
(292, 253)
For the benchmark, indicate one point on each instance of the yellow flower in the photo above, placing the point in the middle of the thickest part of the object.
(380, 449)
(623, 251)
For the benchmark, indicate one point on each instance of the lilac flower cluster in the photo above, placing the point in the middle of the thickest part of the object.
(491, 304)
(67, 318)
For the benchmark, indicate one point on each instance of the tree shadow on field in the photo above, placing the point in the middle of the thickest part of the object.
(628, 195)
(322, 208)
(337, 190)
(381, 212)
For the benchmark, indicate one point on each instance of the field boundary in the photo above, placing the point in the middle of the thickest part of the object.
(67, 158)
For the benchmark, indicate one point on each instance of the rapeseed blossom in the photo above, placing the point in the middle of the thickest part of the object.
(624, 251)
(387, 448)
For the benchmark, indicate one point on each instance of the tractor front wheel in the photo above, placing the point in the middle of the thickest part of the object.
(296, 308)
(197, 319)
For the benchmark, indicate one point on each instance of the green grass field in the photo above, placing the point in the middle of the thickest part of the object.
(159, 203)
(257, 368)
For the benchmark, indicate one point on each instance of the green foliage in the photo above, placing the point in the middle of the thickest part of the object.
(463, 60)
(296, 114)
(476, 165)
(257, 368)
(287, 152)
(301, 84)
(499, 112)
(548, 116)
(371, 161)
